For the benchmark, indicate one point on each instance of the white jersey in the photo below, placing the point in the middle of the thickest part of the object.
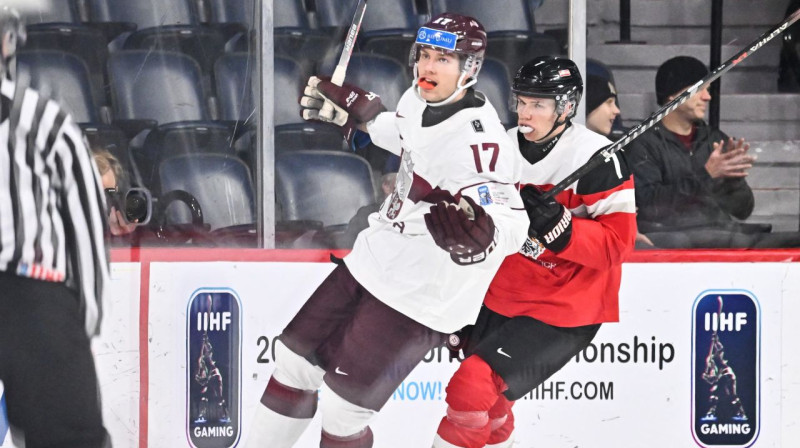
(574, 148)
(395, 258)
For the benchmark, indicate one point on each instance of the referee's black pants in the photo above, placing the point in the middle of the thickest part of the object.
(46, 366)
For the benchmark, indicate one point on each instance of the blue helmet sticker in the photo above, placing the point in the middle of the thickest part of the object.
(437, 38)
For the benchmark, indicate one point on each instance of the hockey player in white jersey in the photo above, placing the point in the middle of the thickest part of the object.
(421, 269)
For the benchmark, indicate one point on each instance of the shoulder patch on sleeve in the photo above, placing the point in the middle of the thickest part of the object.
(477, 125)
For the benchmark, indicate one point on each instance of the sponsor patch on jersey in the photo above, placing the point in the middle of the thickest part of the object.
(485, 195)
(726, 369)
(437, 38)
(213, 368)
(477, 125)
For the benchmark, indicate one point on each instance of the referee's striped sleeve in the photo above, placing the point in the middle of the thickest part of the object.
(82, 204)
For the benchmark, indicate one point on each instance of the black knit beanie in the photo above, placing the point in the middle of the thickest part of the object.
(676, 74)
(598, 89)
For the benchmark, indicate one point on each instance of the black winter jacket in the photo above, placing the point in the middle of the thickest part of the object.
(673, 188)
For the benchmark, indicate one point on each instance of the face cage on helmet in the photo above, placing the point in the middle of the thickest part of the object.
(470, 67)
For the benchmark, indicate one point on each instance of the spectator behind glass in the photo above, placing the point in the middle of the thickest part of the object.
(113, 178)
(690, 178)
(601, 111)
(360, 220)
(601, 104)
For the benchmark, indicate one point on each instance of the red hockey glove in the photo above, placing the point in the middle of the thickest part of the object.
(551, 222)
(348, 101)
(468, 240)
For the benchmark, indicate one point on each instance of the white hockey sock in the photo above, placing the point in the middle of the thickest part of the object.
(439, 442)
(272, 430)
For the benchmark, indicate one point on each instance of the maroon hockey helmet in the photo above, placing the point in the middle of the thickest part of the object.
(453, 33)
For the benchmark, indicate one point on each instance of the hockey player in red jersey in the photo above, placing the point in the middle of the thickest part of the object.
(422, 267)
(546, 302)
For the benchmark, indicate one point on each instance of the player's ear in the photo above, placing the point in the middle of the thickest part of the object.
(567, 110)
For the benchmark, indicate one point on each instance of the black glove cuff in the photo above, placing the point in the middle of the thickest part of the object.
(557, 238)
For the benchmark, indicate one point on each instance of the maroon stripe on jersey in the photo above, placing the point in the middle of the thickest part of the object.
(420, 188)
(288, 401)
(438, 195)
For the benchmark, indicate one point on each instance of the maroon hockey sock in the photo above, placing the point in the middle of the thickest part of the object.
(363, 439)
(288, 401)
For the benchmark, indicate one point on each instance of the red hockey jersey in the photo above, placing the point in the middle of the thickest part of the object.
(580, 285)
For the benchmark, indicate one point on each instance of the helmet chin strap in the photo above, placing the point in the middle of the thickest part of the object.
(460, 88)
(555, 126)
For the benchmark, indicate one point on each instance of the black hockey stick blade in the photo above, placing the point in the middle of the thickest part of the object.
(603, 156)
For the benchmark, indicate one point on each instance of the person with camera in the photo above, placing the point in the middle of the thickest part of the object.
(113, 178)
(53, 264)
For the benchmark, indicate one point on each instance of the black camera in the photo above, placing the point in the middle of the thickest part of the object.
(136, 204)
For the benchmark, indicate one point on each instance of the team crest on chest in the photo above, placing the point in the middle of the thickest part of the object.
(402, 186)
(477, 126)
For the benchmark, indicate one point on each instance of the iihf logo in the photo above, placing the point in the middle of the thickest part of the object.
(213, 369)
(726, 368)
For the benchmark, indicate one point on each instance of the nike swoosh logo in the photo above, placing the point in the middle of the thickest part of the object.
(397, 114)
(500, 351)
(340, 372)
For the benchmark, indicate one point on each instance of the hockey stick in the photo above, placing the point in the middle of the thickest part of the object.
(640, 128)
(349, 43)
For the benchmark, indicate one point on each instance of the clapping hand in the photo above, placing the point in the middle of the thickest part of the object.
(729, 159)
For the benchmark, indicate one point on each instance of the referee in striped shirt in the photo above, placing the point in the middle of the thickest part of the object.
(53, 264)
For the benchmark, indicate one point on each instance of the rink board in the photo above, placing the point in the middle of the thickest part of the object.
(637, 382)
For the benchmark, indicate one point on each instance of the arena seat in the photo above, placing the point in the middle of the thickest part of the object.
(162, 92)
(380, 74)
(323, 186)
(144, 13)
(234, 74)
(220, 183)
(66, 12)
(309, 135)
(498, 16)
(203, 44)
(389, 29)
(156, 85)
(243, 12)
(289, 85)
(510, 28)
(494, 80)
(86, 43)
(64, 78)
